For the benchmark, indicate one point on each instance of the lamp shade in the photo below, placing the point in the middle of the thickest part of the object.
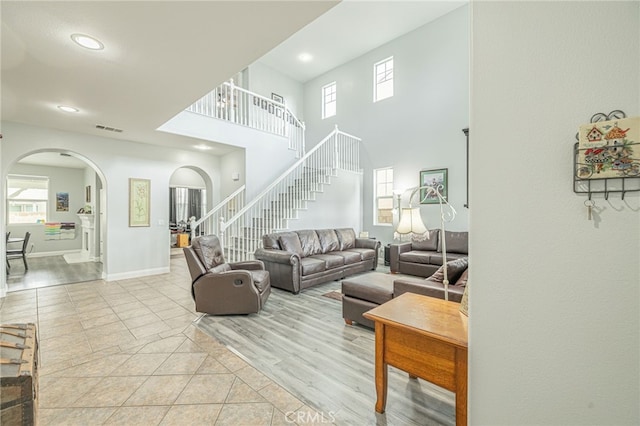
(411, 222)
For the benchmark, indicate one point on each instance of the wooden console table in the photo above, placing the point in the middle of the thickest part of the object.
(427, 338)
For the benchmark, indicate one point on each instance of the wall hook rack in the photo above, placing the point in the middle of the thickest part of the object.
(607, 160)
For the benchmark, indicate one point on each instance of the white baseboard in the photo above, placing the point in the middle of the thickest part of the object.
(137, 274)
(52, 253)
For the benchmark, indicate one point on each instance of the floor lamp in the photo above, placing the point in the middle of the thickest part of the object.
(411, 223)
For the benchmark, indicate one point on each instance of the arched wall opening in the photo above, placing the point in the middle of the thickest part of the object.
(75, 184)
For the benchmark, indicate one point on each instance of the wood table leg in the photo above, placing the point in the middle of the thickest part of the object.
(461, 387)
(381, 370)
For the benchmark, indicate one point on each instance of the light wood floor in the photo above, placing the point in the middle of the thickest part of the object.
(49, 271)
(302, 343)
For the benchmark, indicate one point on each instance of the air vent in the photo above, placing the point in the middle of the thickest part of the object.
(108, 129)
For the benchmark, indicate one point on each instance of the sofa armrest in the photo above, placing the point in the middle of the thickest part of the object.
(224, 291)
(285, 268)
(394, 255)
(369, 243)
(248, 265)
(276, 256)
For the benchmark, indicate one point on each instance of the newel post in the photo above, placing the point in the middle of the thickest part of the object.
(231, 102)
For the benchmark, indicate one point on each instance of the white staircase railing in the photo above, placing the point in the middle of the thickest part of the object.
(271, 210)
(225, 209)
(240, 106)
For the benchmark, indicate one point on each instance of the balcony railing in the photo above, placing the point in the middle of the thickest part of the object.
(240, 106)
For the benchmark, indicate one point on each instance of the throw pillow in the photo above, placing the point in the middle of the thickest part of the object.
(462, 281)
(455, 268)
(291, 243)
(347, 238)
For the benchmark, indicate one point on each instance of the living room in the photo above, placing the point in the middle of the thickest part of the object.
(513, 91)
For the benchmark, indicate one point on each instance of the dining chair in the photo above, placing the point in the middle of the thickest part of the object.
(20, 253)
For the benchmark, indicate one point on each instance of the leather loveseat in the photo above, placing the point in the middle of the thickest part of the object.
(300, 259)
(423, 258)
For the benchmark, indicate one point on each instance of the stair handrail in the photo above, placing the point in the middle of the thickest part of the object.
(216, 209)
(283, 176)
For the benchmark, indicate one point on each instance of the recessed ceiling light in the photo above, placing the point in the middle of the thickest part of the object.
(87, 41)
(202, 147)
(66, 108)
(305, 57)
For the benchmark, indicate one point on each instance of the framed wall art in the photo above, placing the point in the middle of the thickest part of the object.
(139, 202)
(62, 201)
(435, 178)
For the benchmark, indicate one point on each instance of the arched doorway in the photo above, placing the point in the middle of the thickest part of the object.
(190, 196)
(57, 197)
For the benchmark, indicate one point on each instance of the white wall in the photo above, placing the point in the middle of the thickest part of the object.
(420, 127)
(339, 205)
(61, 179)
(264, 81)
(554, 321)
(187, 178)
(130, 252)
(230, 164)
(266, 155)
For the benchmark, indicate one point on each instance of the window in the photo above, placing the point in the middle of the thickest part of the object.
(329, 100)
(27, 199)
(383, 187)
(383, 80)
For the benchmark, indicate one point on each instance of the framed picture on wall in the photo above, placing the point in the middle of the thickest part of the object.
(277, 97)
(139, 202)
(436, 178)
(62, 201)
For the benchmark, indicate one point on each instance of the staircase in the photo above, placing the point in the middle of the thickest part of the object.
(286, 197)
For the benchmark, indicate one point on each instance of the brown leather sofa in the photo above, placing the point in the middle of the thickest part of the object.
(221, 288)
(300, 259)
(423, 258)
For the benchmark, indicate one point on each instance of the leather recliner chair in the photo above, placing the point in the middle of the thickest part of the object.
(221, 288)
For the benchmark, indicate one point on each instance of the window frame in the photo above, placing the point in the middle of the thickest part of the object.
(377, 84)
(388, 195)
(10, 200)
(334, 101)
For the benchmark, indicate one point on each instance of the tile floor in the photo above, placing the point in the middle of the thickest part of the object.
(126, 352)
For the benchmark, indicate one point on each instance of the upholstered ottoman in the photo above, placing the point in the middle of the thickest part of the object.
(364, 292)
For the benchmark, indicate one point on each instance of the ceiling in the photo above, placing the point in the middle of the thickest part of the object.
(349, 30)
(158, 59)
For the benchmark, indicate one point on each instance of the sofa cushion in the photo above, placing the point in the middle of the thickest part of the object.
(365, 253)
(430, 244)
(347, 238)
(290, 242)
(328, 240)
(309, 242)
(455, 268)
(457, 242)
(331, 261)
(260, 279)
(312, 266)
(415, 256)
(209, 250)
(220, 268)
(350, 257)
